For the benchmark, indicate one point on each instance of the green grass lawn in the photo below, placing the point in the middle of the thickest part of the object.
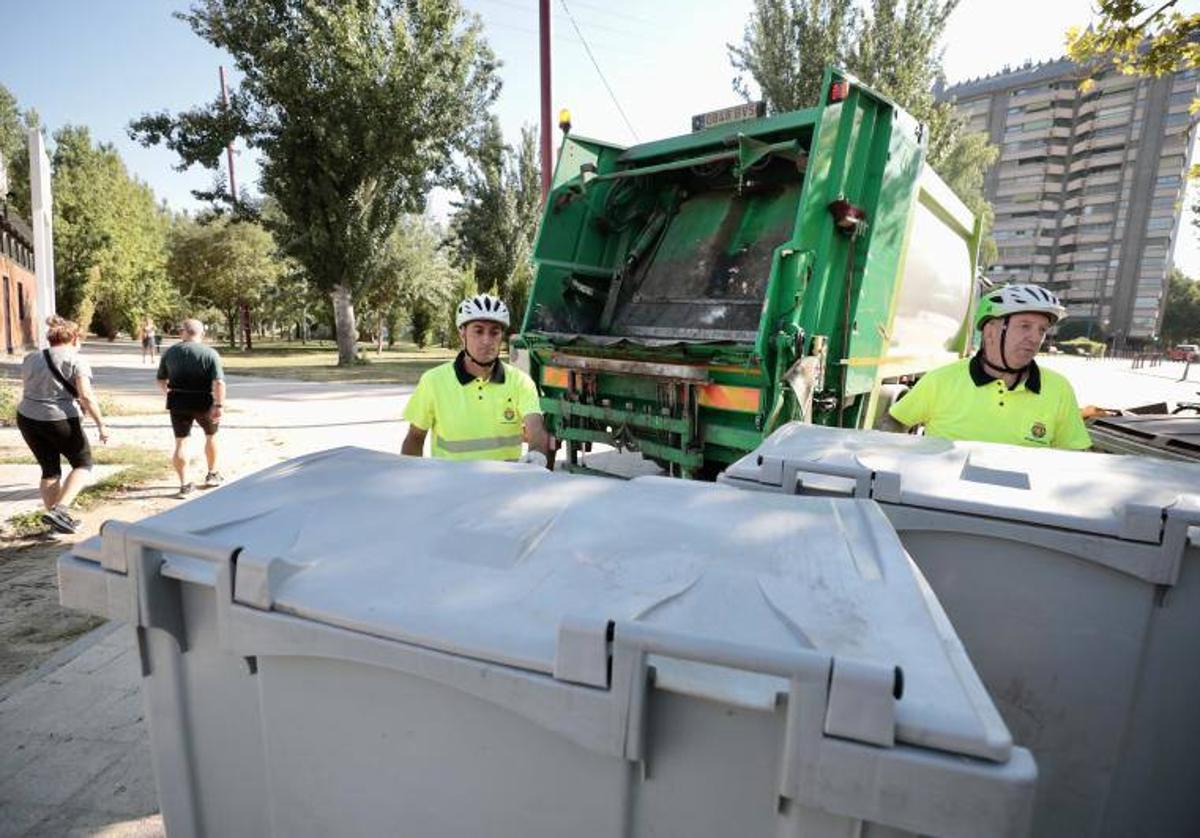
(317, 361)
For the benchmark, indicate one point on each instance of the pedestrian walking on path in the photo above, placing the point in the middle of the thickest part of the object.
(149, 341)
(56, 391)
(191, 377)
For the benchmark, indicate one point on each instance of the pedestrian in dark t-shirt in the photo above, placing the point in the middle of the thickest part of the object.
(190, 375)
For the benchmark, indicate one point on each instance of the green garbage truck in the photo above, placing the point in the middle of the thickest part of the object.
(692, 294)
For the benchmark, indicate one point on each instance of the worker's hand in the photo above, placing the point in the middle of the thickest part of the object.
(102, 432)
(215, 412)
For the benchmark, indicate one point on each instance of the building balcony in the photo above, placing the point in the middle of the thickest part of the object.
(1031, 98)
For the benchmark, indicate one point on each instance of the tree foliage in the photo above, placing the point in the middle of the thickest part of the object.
(1137, 39)
(1181, 310)
(358, 108)
(494, 224)
(222, 263)
(15, 125)
(891, 45)
(786, 46)
(416, 283)
(109, 238)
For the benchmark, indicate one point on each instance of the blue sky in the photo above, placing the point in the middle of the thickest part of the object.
(104, 62)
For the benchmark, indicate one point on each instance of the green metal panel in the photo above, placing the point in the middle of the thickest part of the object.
(889, 192)
(719, 249)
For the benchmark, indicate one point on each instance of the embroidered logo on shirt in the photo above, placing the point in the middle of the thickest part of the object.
(510, 414)
(1038, 430)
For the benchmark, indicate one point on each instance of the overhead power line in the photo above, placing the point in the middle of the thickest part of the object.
(613, 13)
(625, 32)
(600, 72)
(528, 7)
(639, 57)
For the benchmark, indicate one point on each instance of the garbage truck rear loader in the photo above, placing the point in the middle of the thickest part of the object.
(694, 293)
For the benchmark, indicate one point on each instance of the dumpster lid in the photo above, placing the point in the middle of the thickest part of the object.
(486, 560)
(1123, 497)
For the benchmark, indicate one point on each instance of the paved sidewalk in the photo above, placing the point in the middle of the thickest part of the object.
(74, 753)
(1112, 382)
(268, 420)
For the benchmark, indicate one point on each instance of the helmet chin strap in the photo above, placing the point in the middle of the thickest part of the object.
(1003, 365)
(478, 362)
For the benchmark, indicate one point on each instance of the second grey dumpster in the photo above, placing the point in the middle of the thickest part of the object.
(1072, 578)
(355, 643)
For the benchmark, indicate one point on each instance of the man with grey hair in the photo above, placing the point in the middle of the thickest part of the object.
(190, 375)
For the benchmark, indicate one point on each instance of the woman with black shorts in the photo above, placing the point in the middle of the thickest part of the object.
(57, 383)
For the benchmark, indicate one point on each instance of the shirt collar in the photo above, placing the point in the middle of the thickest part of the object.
(1032, 377)
(465, 378)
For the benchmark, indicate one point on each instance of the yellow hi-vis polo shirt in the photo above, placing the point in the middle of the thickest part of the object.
(473, 418)
(962, 401)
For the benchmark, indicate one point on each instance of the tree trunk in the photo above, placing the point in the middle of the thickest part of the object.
(343, 324)
(244, 311)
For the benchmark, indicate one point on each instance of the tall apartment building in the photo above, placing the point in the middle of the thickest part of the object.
(1088, 189)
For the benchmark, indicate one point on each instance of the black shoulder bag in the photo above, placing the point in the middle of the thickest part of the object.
(57, 373)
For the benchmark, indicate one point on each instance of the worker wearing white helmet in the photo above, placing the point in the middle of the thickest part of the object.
(1001, 394)
(477, 406)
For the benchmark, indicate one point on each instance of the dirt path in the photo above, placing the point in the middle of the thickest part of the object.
(270, 420)
(33, 626)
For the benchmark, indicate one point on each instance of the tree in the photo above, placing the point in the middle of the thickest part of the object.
(495, 222)
(358, 108)
(291, 305)
(109, 238)
(467, 286)
(223, 264)
(786, 46)
(15, 125)
(1181, 310)
(415, 281)
(893, 48)
(1137, 39)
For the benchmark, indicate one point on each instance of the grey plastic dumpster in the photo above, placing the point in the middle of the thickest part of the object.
(354, 643)
(1072, 578)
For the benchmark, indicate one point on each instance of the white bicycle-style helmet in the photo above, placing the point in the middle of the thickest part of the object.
(482, 307)
(1015, 299)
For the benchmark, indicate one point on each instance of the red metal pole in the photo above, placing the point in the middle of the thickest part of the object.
(547, 126)
(247, 339)
(228, 148)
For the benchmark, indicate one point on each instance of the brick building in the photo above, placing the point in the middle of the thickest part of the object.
(18, 286)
